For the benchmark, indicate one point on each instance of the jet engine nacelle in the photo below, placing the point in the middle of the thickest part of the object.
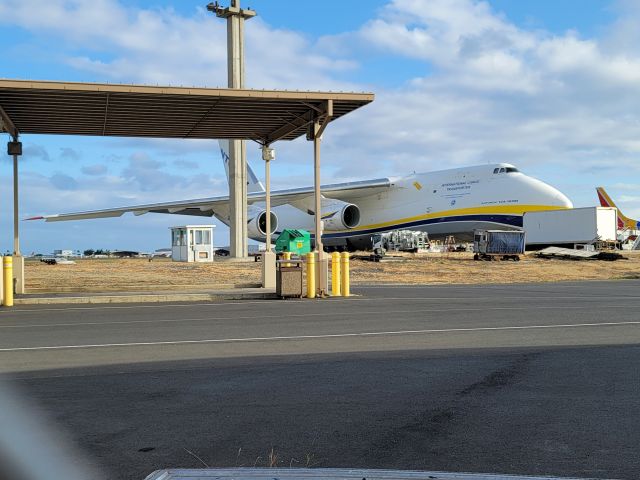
(339, 215)
(257, 225)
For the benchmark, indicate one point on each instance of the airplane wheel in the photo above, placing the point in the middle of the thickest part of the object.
(476, 257)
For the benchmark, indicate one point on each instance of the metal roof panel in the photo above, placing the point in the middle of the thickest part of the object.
(99, 109)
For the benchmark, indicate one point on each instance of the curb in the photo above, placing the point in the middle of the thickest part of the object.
(193, 297)
(143, 289)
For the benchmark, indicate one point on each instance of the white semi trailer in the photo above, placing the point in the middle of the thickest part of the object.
(570, 227)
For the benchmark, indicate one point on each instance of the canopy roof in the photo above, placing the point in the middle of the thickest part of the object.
(166, 112)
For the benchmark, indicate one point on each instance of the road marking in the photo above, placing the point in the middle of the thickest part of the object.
(561, 283)
(321, 336)
(261, 316)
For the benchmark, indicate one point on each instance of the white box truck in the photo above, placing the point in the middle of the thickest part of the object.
(570, 227)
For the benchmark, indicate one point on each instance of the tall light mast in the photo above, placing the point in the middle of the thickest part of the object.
(235, 17)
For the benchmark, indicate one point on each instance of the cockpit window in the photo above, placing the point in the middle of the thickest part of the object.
(505, 170)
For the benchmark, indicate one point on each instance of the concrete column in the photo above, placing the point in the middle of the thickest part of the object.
(238, 199)
(269, 269)
(237, 154)
(18, 274)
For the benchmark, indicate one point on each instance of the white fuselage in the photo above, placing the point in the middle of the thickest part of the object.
(447, 202)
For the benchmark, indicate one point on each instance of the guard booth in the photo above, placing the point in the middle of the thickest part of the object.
(192, 243)
(294, 241)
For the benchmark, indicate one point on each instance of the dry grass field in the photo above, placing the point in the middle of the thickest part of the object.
(104, 275)
(460, 268)
(138, 274)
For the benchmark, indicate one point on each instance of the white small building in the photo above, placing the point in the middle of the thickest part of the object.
(192, 243)
(63, 253)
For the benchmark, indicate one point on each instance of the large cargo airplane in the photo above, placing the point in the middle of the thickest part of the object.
(624, 222)
(446, 202)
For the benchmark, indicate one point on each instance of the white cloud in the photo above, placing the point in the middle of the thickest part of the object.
(32, 151)
(96, 169)
(186, 164)
(63, 182)
(496, 92)
(160, 46)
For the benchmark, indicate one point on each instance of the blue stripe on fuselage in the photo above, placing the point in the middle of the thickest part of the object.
(511, 220)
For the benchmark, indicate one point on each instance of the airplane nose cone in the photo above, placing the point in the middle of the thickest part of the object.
(562, 200)
(547, 195)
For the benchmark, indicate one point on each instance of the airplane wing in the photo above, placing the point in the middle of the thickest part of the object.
(348, 191)
(204, 207)
(219, 206)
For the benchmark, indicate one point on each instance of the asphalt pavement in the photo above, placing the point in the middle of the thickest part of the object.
(525, 379)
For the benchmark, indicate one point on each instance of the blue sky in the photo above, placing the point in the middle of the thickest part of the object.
(551, 86)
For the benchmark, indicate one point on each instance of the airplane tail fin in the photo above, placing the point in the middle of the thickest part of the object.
(624, 222)
(253, 184)
(224, 152)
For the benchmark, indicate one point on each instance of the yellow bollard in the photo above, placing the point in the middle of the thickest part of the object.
(345, 274)
(286, 256)
(7, 270)
(335, 274)
(311, 275)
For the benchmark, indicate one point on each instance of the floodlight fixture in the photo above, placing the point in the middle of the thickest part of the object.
(268, 153)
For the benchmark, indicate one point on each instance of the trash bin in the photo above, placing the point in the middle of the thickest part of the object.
(289, 278)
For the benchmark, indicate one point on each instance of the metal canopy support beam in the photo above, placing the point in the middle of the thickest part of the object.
(319, 126)
(6, 124)
(267, 203)
(328, 113)
(16, 220)
(317, 195)
(15, 149)
(269, 257)
(324, 109)
(235, 17)
(291, 126)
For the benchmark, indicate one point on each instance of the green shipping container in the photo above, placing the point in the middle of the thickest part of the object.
(294, 241)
